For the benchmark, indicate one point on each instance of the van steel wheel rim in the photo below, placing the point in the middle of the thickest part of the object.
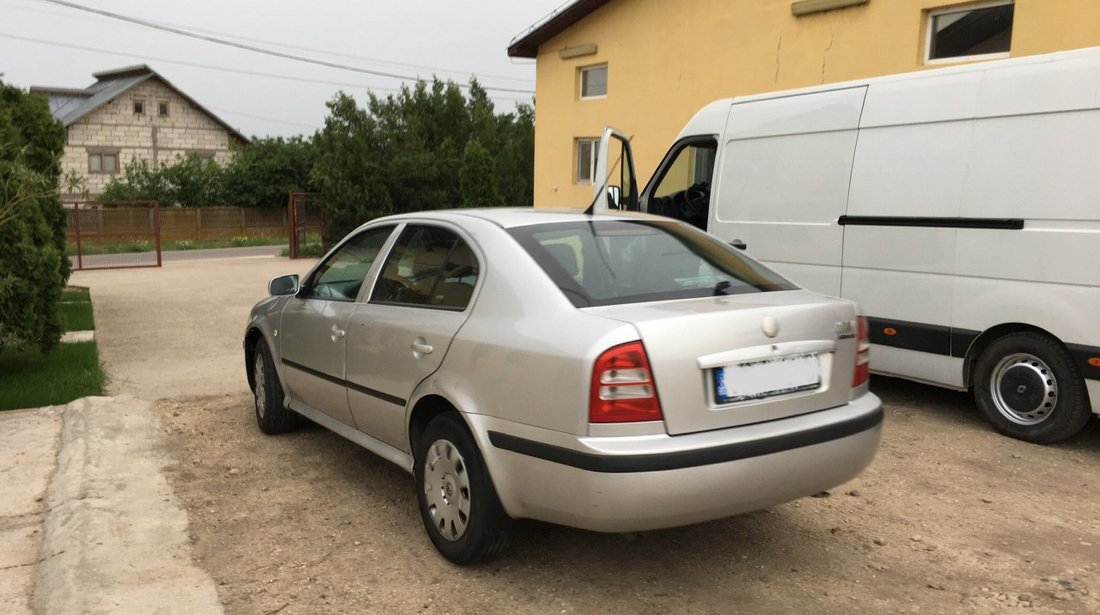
(261, 386)
(447, 489)
(1024, 389)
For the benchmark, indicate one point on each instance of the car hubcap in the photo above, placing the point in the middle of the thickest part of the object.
(261, 386)
(447, 489)
(1024, 389)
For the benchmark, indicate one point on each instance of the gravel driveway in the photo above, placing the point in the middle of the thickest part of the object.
(950, 518)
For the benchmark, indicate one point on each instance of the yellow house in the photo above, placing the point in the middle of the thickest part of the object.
(646, 66)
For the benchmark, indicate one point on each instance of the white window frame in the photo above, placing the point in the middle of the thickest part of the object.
(593, 145)
(929, 26)
(580, 82)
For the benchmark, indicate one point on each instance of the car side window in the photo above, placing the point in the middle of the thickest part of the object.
(430, 267)
(340, 277)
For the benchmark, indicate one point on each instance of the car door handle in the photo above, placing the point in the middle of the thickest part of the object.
(337, 333)
(740, 245)
(420, 347)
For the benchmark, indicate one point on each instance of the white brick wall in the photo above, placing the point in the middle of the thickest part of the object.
(114, 125)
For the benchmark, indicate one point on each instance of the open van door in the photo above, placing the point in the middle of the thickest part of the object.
(614, 158)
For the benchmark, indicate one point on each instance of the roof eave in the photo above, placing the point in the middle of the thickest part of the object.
(527, 45)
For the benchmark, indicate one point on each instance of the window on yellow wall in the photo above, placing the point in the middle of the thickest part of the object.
(977, 31)
(586, 159)
(593, 81)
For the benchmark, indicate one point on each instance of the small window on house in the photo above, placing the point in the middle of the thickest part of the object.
(162, 109)
(975, 32)
(139, 107)
(102, 163)
(594, 81)
(586, 160)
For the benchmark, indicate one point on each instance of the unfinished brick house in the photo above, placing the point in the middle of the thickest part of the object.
(133, 113)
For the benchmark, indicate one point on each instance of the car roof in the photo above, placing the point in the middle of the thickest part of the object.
(511, 217)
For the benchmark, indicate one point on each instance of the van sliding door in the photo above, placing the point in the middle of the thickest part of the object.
(785, 169)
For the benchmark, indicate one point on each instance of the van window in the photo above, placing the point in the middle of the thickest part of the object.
(682, 191)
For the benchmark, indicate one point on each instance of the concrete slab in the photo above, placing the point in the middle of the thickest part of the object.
(72, 337)
(28, 454)
(115, 539)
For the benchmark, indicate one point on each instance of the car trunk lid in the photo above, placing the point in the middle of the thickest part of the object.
(778, 354)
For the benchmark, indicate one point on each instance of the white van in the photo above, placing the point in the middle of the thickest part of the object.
(959, 207)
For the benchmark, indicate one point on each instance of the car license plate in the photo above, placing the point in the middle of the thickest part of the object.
(767, 378)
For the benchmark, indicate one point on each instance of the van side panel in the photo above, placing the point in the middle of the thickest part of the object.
(784, 171)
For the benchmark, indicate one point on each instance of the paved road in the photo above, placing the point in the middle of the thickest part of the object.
(130, 259)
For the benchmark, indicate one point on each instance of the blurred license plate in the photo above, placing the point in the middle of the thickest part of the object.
(759, 379)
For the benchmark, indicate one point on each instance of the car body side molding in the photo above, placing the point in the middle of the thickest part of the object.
(393, 399)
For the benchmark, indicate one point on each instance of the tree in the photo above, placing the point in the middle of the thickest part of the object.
(264, 172)
(427, 147)
(477, 180)
(33, 265)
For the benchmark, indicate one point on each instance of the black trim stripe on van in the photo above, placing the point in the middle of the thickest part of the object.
(1009, 224)
(612, 464)
(393, 399)
(954, 342)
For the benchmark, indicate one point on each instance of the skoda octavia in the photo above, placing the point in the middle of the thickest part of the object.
(615, 372)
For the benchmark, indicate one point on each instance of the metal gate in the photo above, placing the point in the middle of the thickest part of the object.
(113, 234)
(306, 219)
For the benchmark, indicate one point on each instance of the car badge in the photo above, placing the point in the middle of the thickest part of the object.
(770, 326)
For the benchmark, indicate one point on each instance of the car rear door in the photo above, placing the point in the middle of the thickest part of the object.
(313, 331)
(399, 336)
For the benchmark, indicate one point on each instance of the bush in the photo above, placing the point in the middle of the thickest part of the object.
(33, 265)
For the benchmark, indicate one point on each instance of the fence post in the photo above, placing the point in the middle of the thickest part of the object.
(198, 223)
(79, 255)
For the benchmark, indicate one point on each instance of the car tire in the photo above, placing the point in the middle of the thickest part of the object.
(267, 393)
(458, 503)
(1027, 387)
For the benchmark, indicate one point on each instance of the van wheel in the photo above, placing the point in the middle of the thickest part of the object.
(458, 503)
(1027, 387)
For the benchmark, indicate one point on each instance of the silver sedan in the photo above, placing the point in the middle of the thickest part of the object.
(616, 373)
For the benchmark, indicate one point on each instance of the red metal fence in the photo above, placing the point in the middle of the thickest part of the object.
(307, 223)
(113, 234)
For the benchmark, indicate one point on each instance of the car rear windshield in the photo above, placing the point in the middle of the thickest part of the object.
(609, 262)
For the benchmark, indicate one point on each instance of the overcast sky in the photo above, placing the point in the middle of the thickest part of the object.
(417, 38)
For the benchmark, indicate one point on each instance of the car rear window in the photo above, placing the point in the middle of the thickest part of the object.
(609, 262)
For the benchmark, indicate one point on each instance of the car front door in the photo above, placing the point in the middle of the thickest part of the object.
(398, 338)
(313, 331)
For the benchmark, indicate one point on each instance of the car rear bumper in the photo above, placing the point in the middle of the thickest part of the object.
(620, 484)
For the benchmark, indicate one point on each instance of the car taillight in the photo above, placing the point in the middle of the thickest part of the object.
(622, 387)
(863, 353)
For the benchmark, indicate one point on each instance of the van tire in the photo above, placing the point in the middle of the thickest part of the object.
(1027, 387)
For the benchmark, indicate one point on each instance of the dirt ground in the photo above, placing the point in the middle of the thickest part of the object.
(950, 518)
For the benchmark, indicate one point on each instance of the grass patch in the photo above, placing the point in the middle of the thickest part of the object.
(145, 245)
(76, 316)
(74, 293)
(31, 379)
(75, 310)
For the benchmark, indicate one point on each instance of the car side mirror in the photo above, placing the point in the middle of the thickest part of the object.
(283, 285)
